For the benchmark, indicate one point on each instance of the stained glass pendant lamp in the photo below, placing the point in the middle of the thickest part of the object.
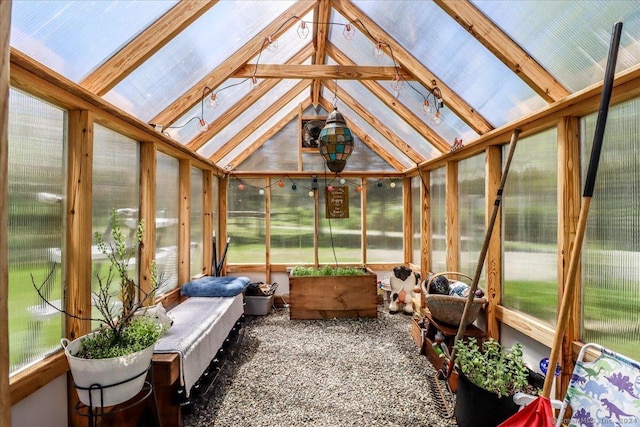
(335, 142)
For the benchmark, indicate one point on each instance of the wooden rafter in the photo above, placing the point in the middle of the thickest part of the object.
(414, 121)
(369, 142)
(320, 72)
(504, 48)
(222, 72)
(367, 116)
(259, 121)
(423, 75)
(321, 33)
(148, 42)
(233, 112)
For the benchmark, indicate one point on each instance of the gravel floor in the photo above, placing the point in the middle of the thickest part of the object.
(328, 373)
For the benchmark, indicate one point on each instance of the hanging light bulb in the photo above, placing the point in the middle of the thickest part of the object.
(393, 184)
(377, 50)
(359, 188)
(261, 192)
(303, 30)
(436, 119)
(212, 101)
(241, 187)
(294, 187)
(273, 44)
(203, 125)
(342, 181)
(427, 109)
(254, 83)
(379, 184)
(330, 188)
(310, 193)
(349, 31)
(280, 184)
(396, 85)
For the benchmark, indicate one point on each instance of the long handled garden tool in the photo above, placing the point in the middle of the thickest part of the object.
(525, 416)
(485, 247)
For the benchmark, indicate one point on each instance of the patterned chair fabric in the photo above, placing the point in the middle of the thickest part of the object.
(603, 392)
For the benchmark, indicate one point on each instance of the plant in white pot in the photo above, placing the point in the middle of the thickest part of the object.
(109, 365)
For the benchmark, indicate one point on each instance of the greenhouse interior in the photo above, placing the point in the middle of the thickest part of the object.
(208, 143)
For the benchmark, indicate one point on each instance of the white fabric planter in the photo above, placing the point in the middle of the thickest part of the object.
(106, 375)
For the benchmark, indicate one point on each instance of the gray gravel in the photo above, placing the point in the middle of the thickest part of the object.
(328, 373)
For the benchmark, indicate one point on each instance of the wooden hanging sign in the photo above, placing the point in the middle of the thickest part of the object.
(337, 202)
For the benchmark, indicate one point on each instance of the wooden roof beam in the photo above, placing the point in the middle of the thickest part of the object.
(364, 137)
(223, 71)
(320, 72)
(423, 75)
(504, 48)
(383, 95)
(144, 45)
(322, 15)
(234, 111)
(259, 121)
(363, 112)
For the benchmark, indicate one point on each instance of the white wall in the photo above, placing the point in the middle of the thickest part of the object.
(46, 407)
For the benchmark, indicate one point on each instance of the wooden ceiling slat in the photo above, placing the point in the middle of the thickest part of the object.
(320, 72)
(369, 142)
(321, 31)
(429, 134)
(148, 42)
(363, 112)
(222, 72)
(422, 74)
(259, 120)
(504, 48)
(232, 113)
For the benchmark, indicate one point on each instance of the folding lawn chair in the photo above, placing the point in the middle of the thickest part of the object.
(605, 391)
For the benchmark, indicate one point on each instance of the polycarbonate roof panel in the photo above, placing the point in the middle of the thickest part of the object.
(74, 37)
(575, 42)
(192, 54)
(265, 127)
(248, 116)
(388, 117)
(458, 59)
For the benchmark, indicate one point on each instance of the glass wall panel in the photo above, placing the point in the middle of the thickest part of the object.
(167, 202)
(611, 250)
(36, 182)
(116, 185)
(340, 239)
(530, 224)
(471, 213)
(246, 225)
(416, 220)
(437, 193)
(197, 221)
(292, 222)
(384, 221)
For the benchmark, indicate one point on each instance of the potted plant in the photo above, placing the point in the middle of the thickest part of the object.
(109, 365)
(488, 376)
(328, 292)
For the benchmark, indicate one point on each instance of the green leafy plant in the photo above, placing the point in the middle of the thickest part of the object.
(493, 367)
(327, 270)
(122, 331)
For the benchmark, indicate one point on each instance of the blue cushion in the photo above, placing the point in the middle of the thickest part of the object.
(209, 286)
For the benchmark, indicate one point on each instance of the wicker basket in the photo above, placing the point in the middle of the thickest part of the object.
(447, 308)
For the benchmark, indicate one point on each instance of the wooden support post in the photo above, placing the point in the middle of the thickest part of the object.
(207, 225)
(493, 269)
(148, 172)
(451, 215)
(184, 218)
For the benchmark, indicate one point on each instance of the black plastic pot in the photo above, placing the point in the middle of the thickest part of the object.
(477, 407)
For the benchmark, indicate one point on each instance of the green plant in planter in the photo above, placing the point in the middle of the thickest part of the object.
(122, 331)
(493, 367)
(327, 270)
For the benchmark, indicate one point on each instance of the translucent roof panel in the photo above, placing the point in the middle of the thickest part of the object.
(458, 59)
(74, 37)
(248, 116)
(388, 117)
(574, 44)
(192, 54)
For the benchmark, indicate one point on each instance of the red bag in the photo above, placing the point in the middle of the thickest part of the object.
(536, 414)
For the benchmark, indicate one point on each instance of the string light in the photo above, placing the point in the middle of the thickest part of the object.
(432, 102)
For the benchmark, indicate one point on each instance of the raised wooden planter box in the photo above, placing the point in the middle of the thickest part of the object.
(326, 297)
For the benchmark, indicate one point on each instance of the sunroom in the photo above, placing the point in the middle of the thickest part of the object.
(206, 120)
